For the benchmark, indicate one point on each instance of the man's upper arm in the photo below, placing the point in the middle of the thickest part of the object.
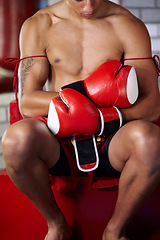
(33, 71)
(136, 44)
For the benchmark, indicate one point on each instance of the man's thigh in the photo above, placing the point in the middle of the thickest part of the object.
(124, 142)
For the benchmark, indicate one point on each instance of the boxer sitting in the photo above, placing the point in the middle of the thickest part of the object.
(76, 37)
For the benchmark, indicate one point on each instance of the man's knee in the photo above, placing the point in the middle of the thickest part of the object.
(28, 141)
(146, 143)
(17, 142)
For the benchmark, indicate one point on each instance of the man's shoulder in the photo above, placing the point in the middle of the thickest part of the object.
(131, 27)
(130, 31)
(126, 24)
(43, 18)
(122, 17)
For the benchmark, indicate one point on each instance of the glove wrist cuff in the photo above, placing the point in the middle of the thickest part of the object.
(78, 86)
(120, 117)
(110, 120)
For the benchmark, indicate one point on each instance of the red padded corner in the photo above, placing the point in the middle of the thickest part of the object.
(13, 14)
(6, 84)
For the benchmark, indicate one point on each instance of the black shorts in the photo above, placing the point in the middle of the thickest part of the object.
(105, 169)
(62, 167)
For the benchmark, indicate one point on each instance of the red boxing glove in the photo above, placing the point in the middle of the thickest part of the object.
(72, 114)
(111, 84)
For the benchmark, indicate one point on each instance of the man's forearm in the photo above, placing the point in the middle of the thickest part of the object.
(36, 103)
(142, 109)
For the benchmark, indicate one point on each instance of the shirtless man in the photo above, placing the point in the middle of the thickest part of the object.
(77, 36)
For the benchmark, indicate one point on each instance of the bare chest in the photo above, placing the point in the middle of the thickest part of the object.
(77, 50)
